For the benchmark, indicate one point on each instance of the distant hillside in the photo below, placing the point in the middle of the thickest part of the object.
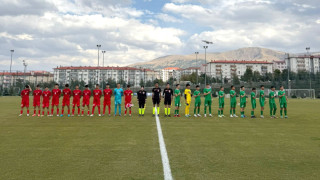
(185, 61)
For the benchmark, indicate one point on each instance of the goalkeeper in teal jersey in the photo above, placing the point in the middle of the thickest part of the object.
(243, 101)
(233, 102)
(221, 102)
(197, 103)
(272, 103)
(283, 102)
(253, 102)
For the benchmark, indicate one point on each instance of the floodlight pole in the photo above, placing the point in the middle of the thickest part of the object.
(103, 57)
(308, 49)
(98, 46)
(205, 62)
(197, 67)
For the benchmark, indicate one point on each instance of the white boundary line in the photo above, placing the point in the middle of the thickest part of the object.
(163, 151)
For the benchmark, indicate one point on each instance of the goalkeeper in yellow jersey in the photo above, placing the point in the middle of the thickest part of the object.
(187, 96)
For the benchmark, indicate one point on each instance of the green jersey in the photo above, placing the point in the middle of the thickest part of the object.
(253, 97)
(261, 96)
(243, 99)
(221, 96)
(177, 94)
(283, 98)
(233, 97)
(208, 96)
(197, 93)
(271, 97)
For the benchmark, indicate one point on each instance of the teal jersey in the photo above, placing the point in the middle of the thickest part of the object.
(208, 96)
(233, 97)
(118, 93)
(197, 93)
(221, 96)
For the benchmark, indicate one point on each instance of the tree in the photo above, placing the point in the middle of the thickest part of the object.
(256, 76)
(141, 82)
(277, 75)
(236, 80)
(248, 75)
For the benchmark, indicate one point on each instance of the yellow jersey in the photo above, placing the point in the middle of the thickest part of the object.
(187, 92)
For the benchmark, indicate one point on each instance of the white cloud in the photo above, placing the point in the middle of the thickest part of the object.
(168, 18)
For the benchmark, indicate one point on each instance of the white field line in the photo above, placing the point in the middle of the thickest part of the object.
(163, 151)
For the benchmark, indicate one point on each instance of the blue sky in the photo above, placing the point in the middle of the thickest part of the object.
(48, 33)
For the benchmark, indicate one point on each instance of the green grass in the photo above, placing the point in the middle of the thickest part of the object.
(127, 147)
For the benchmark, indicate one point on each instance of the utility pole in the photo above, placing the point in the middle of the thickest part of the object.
(103, 57)
(197, 67)
(98, 46)
(25, 70)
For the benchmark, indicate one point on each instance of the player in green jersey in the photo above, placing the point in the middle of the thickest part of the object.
(283, 102)
(253, 102)
(197, 103)
(177, 102)
(262, 100)
(272, 103)
(207, 100)
(243, 101)
(221, 102)
(233, 102)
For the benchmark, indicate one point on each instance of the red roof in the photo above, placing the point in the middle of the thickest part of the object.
(172, 68)
(32, 73)
(95, 68)
(241, 62)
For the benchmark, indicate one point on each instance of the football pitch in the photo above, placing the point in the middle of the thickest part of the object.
(128, 147)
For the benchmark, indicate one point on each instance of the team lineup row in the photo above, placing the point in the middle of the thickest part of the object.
(167, 94)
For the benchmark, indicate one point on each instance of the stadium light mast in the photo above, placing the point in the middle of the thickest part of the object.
(98, 46)
(308, 49)
(103, 57)
(205, 59)
(25, 69)
(197, 66)
(12, 51)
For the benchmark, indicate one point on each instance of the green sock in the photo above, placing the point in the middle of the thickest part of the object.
(221, 112)
(168, 111)
(210, 109)
(195, 110)
(280, 112)
(178, 112)
(165, 111)
(139, 110)
(158, 110)
(285, 112)
(274, 111)
(234, 111)
(205, 109)
(198, 110)
(230, 111)
(142, 111)
(218, 112)
(154, 110)
(252, 113)
(261, 112)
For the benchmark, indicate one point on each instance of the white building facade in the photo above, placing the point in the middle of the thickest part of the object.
(170, 72)
(281, 65)
(227, 69)
(303, 63)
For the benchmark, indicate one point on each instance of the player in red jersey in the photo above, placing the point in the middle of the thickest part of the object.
(36, 100)
(76, 100)
(107, 99)
(86, 99)
(66, 99)
(25, 99)
(46, 100)
(56, 92)
(96, 99)
(127, 100)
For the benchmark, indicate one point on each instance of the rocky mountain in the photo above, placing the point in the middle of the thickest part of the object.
(185, 61)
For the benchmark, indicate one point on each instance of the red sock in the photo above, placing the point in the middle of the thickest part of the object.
(68, 111)
(21, 111)
(99, 109)
(104, 109)
(79, 110)
(34, 111)
(73, 111)
(62, 111)
(82, 111)
(109, 109)
(130, 111)
(93, 109)
(42, 112)
(52, 111)
(28, 111)
(88, 112)
(47, 111)
(57, 110)
(39, 111)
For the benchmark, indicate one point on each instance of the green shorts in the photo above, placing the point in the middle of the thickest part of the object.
(243, 104)
(197, 104)
(261, 103)
(207, 102)
(283, 105)
(253, 105)
(221, 104)
(233, 104)
(177, 103)
(272, 105)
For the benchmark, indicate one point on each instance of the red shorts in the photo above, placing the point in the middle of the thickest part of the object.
(25, 103)
(66, 102)
(106, 102)
(127, 104)
(45, 104)
(96, 102)
(76, 103)
(85, 102)
(55, 102)
(36, 103)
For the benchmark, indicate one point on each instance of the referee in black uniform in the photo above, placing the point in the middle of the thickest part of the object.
(142, 96)
(156, 98)
(167, 95)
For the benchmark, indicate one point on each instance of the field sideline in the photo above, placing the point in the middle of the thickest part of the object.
(128, 147)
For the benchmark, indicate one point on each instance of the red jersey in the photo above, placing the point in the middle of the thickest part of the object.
(76, 95)
(127, 95)
(25, 94)
(46, 96)
(86, 94)
(107, 94)
(56, 94)
(36, 95)
(97, 94)
(66, 94)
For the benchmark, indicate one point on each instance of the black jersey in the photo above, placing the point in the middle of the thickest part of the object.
(142, 95)
(167, 93)
(156, 93)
